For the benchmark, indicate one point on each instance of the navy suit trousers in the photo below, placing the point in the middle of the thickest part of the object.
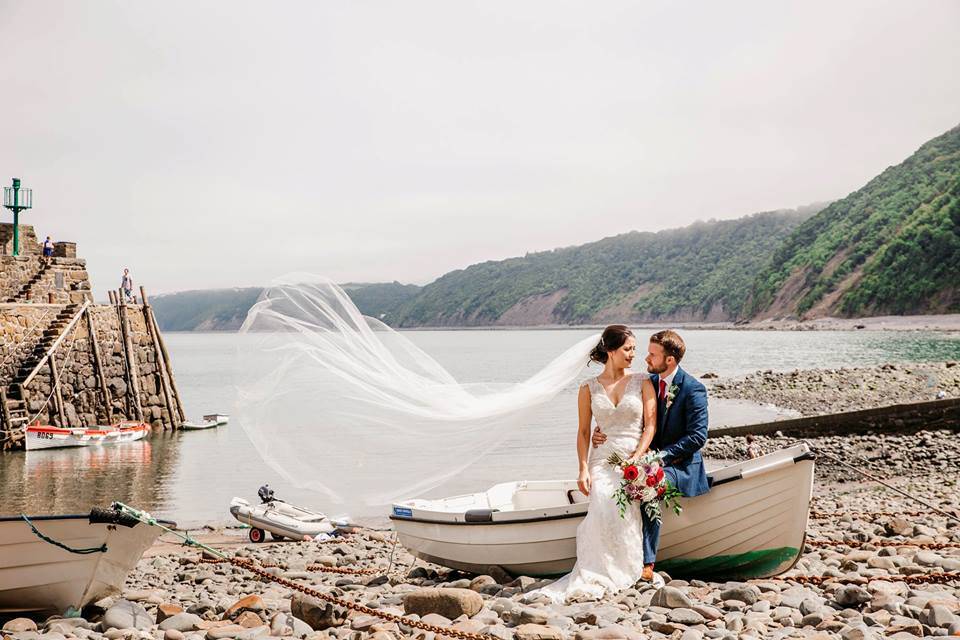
(651, 528)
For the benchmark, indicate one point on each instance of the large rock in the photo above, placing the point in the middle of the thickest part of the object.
(852, 595)
(127, 615)
(858, 632)
(683, 615)
(248, 620)
(450, 603)
(18, 625)
(938, 615)
(537, 632)
(182, 622)
(319, 615)
(671, 598)
(167, 609)
(249, 603)
(612, 632)
(745, 593)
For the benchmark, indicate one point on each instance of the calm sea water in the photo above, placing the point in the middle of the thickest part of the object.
(190, 477)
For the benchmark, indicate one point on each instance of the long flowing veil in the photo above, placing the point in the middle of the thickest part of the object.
(330, 398)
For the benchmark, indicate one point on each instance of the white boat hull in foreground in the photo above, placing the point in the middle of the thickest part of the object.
(38, 576)
(751, 524)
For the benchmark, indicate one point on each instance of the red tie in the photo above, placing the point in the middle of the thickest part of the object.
(663, 389)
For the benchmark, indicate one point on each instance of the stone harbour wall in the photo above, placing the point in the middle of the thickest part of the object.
(29, 277)
(898, 418)
(21, 329)
(34, 279)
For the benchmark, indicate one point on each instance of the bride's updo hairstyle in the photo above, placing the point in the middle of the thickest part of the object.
(612, 339)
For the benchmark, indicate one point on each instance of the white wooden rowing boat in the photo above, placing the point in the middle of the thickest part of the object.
(36, 575)
(48, 437)
(750, 524)
(209, 421)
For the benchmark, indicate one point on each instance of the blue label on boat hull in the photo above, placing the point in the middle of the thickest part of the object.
(402, 512)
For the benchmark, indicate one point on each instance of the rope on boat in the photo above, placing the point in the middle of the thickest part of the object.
(888, 485)
(101, 549)
(870, 476)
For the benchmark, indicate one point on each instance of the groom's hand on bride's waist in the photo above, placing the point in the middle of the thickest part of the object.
(599, 437)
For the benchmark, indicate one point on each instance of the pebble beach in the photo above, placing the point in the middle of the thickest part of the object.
(869, 568)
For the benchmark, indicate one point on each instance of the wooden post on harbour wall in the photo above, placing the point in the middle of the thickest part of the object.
(133, 377)
(98, 367)
(5, 425)
(57, 396)
(172, 410)
(167, 366)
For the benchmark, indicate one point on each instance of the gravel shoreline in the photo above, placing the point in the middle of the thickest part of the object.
(170, 596)
(823, 391)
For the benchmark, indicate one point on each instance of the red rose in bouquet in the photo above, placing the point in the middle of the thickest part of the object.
(644, 483)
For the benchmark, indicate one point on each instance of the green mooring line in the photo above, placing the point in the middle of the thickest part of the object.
(146, 518)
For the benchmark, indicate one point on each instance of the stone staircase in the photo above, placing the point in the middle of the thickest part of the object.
(16, 406)
(23, 295)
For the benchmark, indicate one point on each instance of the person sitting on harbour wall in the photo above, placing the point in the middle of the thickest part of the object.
(126, 284)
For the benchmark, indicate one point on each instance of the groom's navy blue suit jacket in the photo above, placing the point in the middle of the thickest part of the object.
(682, 432)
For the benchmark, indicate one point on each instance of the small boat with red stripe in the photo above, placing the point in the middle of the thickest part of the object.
(40, 436)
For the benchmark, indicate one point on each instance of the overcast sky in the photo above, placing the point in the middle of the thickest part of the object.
(217, 144)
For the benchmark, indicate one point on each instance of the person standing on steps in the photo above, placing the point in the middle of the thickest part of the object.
(47, 250)
(126, 284)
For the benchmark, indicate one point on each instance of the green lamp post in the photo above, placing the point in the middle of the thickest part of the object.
(17, 200)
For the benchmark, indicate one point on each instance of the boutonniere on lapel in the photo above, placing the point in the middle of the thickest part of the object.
(671, 394)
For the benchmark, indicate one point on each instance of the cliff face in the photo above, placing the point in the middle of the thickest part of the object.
(702, 272)
(891, 247)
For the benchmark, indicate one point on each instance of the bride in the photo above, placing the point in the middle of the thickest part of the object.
(341, 404)
(609, 548)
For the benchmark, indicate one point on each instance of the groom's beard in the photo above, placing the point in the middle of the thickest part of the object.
(656, 370)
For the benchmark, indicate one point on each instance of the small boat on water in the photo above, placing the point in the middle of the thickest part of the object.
(48, 437)
(36, 575)
(209, 421)
(751, 524)
(281, 519)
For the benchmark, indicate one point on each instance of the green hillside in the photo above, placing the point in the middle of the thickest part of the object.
(892, 247)
(226, 309)
(701, 272)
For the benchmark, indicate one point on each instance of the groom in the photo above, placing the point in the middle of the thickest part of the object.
(681, 429)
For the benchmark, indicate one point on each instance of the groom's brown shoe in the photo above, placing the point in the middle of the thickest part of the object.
(647, 574)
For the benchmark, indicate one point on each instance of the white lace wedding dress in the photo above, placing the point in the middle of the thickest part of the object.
(609, 548)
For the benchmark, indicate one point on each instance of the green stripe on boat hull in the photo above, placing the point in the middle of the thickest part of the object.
(743, 566)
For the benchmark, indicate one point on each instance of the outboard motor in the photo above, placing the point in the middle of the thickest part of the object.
(266, 494)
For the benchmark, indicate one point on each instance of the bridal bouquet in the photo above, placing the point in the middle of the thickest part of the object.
(644, 482)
